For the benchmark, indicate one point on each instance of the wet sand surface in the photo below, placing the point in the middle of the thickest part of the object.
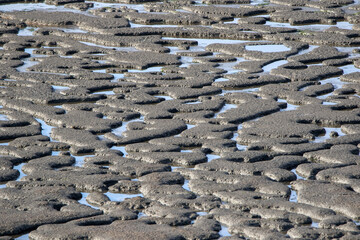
(212, 119)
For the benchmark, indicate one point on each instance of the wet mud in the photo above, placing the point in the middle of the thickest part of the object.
(212, 119)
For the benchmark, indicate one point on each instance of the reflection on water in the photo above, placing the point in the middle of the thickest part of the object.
(3, 117)
(211, 157)
(46, 129)
(121, 149)
(267, 48)
(289, 107)
(27, 64)
(202, 43)
(28, 31)
(84, 202)
(328, 134)
(293, 196)
(224, 232)
(119, 197)
(225, 108)
(271, 66)
(298, 177)
(141, 215)
(139, 7)
(150, 69)
(18, 167)
(186, 185)
(202, 213)
(23, 237)
(165, 97)
(59, 88)
(315, 224)
(80, 159)
(120, 130)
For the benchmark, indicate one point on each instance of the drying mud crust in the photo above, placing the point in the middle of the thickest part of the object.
(179, 119)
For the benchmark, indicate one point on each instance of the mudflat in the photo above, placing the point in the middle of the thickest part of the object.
(180, 119)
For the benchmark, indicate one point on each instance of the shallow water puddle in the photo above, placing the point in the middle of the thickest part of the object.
(186, 61)
(72, 30)
(150, 69)
(344, 25)
(235, 20)
(202, 213)
(139, 7)
(202, 43)
(164, 97)
(225, 108)
(23, 237)
(186, 151)
(267, 48)
(110, 92)
(315, 224)
(221, 79)
(293, 195)
(236, 134)
(55, 153)
(4, 143)
(309, 49)
(28, 31)
(350, 68)
(224, 232)
(141, 215)
(289, 107)
(26, 7)
(59, 88)
(328, 132)
(229, 66)
(271, 66)
(59, 106)
(121, 149)
(196, 102)
(46, 129)
(329, 103)
(336, 82)
(129, 49)
(173, 168)
(247, 90)
(37, 6)
(309, 27)
(257, 2)
(137, 25)
(100, 71)
(298, 177)
(238, 146)
(80, 159)
(211, 157)
(27, 64)
(120, 130)
(174, 49)
(84, 202)
(117, 76)
(18, 167)
(3, 117)
(119, 197)
(186, 185)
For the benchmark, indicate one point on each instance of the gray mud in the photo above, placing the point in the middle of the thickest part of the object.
(210, 119)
